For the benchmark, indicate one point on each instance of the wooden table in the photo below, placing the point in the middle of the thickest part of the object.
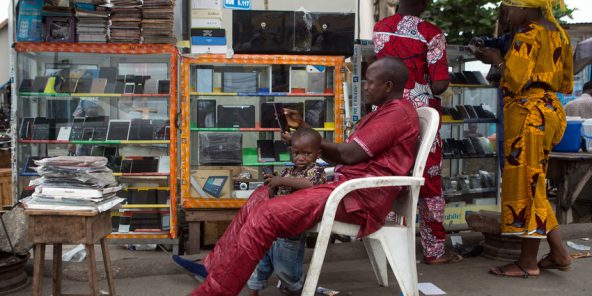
(69, 227)
(562, 167)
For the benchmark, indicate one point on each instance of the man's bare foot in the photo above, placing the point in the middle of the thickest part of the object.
(253, 292)
(555, 261)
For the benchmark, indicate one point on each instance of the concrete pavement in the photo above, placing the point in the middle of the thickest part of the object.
(346, 269)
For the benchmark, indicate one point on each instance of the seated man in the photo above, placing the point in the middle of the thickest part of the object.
(384, 144)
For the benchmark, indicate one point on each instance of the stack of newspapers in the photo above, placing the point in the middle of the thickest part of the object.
(92, 21)
(126, 21)
(73, 183)
(157, 21)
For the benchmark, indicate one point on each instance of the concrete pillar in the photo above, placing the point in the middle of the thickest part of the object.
(366, 13)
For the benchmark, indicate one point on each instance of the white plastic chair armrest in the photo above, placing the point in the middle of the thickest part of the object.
(371, 182)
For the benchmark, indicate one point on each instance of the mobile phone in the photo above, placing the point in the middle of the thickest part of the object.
(281, 117)
(129, 88)
(267, 171)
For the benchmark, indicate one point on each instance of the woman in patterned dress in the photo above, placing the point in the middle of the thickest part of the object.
(537, 65)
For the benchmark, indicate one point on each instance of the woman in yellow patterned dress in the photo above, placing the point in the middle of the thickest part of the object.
(537, 65)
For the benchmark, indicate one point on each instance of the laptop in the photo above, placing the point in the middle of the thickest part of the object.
(237, 116)
(220, 148)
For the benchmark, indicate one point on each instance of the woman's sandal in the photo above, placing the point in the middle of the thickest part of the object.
(447, 258)
(548, 263)
(502, 271)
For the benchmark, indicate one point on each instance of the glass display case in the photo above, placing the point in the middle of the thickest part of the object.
(230, 132)
(469, 133)
(116, 101)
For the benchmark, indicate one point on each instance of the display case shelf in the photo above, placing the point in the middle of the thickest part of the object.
(109, 142)
(141, 174)
(211, 203)
(466, 121)
(140, 235)
(250, 158)
(471, 86)
(243, 130)
(83, 95)
(114, 174)
(470, 156)
(470, 191)
(262, 94)
(145, 206)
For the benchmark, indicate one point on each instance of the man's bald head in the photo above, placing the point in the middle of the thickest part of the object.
(385, 80)
(391, 69)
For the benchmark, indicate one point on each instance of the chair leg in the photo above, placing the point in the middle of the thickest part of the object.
(316, 263)
(38, 269)
(92, 270)
(377, 259)
(57, 269)
(401, 257)
(108, 270)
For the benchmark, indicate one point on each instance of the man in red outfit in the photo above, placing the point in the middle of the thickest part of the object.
(422, 47)
(371, 150)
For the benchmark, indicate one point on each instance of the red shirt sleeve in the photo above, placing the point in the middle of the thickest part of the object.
(436, 55)
(383, 131)
(381, 37)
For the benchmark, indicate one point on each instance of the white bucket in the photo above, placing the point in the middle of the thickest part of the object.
(587, 134)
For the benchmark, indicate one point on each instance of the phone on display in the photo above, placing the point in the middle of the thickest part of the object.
(267, 171)
(281, 117)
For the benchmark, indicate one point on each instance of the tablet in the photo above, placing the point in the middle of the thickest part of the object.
(118, 130)
(214, 185)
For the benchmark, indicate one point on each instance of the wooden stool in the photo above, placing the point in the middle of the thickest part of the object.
(69, 227)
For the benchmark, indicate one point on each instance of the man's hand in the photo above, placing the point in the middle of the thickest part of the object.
(272, 181)
(294, 118)
(287, 138)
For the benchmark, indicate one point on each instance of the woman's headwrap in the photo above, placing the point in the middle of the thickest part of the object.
(546, 6)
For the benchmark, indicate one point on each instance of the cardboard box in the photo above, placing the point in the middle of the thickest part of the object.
(201, 176)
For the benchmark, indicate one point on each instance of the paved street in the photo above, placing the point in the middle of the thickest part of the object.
(346, 270)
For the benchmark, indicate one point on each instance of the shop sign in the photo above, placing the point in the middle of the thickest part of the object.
(237, 4)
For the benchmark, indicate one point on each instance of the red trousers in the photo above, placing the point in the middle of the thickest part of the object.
(257, 225)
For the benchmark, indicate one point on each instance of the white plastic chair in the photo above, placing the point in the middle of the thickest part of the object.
(392, 242)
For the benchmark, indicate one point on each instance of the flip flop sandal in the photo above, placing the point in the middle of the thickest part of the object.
(452, 258)
(580, 255)
(502, 272)
(548, 263)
